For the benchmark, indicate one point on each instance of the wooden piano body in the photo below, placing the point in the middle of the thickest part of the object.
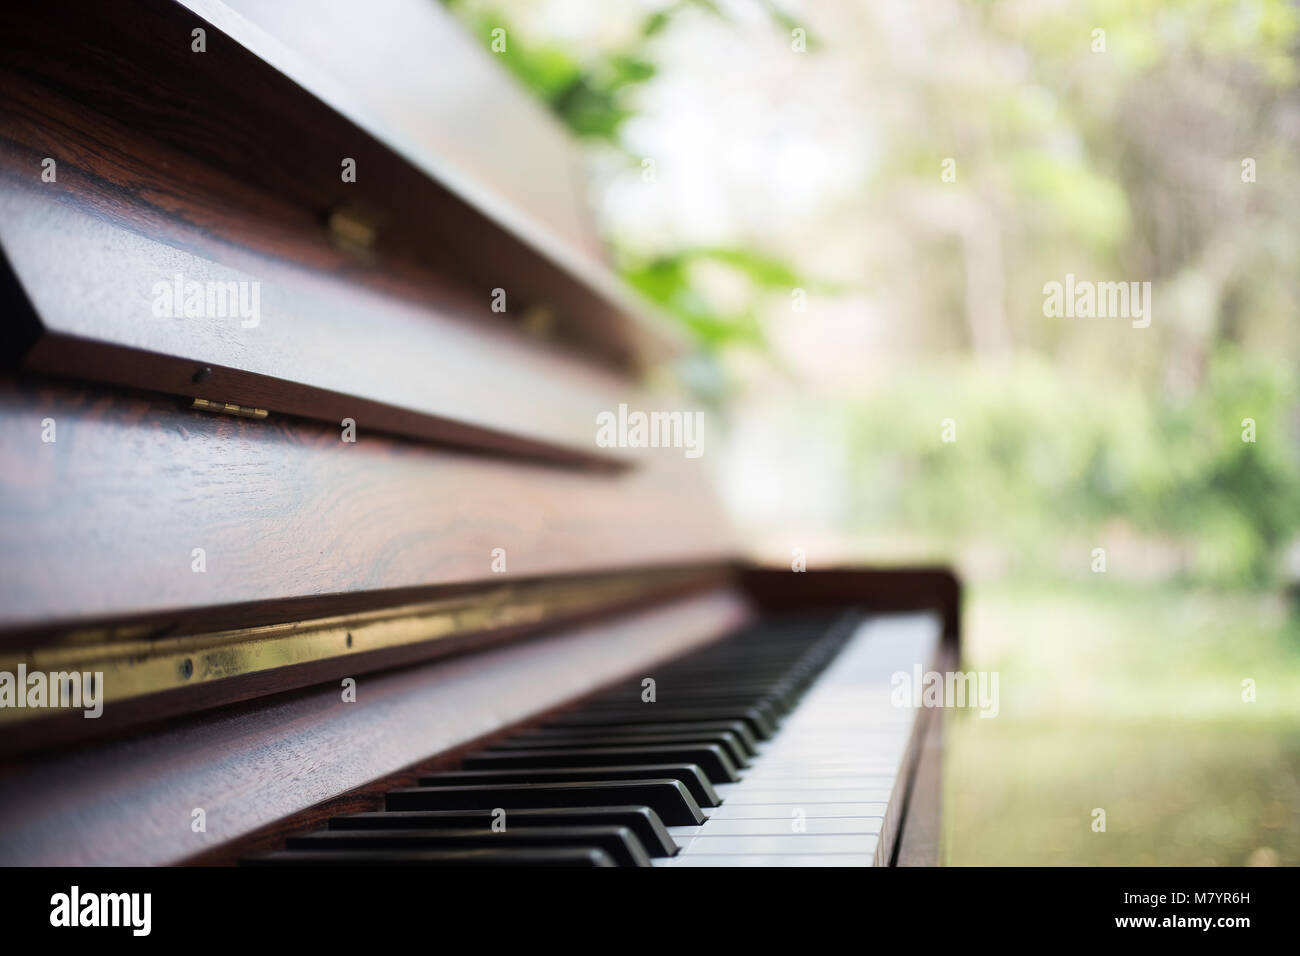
(268, 432)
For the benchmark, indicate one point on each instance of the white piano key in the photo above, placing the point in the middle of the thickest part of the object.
(782, 768)
(811, 771)
(786, 826)
(782, 811)
(789, 843)
(786, 859)
(807, 795)
(775, 769)
(827, 783)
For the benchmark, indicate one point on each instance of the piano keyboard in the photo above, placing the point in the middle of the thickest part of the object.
(817, 793)
(775, 746)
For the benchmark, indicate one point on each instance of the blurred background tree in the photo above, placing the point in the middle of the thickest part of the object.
(1117, 155)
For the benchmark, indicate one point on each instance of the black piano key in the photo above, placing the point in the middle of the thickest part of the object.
(668, 798)
(638, 729)
(711, 758)
(620, 843)
(723, 739)
(648, 711)
(714, 706)
(780, 695)
(676, 692)
(758, 723)
(777, 701)
(642, 821)
(690, 775)
(525, 856)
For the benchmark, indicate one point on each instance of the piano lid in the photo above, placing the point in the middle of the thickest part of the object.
(261, 225)
(408, 72)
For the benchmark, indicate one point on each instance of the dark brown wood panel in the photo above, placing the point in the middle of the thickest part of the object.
(921, 843)
(876, 589)
(322, 347)
(101, 524)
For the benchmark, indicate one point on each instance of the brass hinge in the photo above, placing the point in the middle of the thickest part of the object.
(354, 228)
(229, 408)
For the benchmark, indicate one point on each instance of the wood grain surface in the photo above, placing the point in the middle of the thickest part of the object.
(323, 348)
(102, 523)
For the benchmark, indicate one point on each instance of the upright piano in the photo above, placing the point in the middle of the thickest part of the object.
(310, 553)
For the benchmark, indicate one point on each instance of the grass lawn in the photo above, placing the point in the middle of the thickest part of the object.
(1128, 699)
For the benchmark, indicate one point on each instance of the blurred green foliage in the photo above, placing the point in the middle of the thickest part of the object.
(1117, 164)
(669, 281)
(1043, 457)
(591, 96)
(594, 96)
